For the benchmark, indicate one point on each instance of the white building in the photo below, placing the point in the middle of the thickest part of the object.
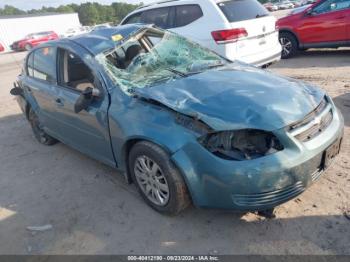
(16, 27)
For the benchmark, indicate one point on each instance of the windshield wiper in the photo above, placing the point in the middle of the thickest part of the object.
(216, 65)
(206, 68)
(176, 72)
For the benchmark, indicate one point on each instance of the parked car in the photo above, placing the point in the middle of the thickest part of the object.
(33, 40)
(324, 24)
(296, 4)
(270, 6)
(282, 6)
(75, 31)
(308, 2)
(180, 121)
(1, 48)
(288, 4)
(239, 30)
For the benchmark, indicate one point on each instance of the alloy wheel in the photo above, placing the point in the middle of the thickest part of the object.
(286, 46)
(27, 47)
(151, 180)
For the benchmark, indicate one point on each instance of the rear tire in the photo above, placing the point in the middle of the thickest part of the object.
(28, 47)
(38, 131)
(289, 45)
(157, 179)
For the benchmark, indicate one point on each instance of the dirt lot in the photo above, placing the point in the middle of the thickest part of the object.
(93, 211)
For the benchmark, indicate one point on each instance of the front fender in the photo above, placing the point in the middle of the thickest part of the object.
(135, 120)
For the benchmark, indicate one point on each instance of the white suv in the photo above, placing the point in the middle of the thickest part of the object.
(236, 29)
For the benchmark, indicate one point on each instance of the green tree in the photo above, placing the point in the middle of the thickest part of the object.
(45, 9)
(10, 10)
(75, 7)
(64, 9)
(122, 9)
(88, 14)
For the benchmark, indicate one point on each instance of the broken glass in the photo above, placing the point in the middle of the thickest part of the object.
(161, 56)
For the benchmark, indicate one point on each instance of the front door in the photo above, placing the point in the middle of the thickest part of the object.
(327, 22)
(88, 130)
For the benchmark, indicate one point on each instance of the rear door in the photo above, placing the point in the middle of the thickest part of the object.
(183, 16)
(157, 16)
(44, 37)
(259, 25)
(37, 39)
(328, 22)
(40, 86)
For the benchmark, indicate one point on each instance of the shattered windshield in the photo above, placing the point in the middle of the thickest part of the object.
(155, 56)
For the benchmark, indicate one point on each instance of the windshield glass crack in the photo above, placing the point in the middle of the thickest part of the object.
(154, 56)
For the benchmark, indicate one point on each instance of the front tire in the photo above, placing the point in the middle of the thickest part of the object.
(157, 179)
(289, 45)
(38, 131)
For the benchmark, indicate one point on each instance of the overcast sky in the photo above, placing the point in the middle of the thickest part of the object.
(30, 4)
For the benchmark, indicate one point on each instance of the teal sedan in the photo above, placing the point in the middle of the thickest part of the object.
(179, 121)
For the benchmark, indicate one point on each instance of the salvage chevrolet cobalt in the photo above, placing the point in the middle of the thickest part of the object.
(181, 122)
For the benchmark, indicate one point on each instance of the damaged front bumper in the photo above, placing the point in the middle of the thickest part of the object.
(261, 183)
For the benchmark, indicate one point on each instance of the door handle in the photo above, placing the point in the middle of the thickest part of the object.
(340, 17)
(59, 102)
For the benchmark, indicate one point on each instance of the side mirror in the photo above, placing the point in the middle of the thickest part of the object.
(16, 90)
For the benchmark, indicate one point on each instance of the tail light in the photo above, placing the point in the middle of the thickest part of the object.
(277, 28)
(230, 35)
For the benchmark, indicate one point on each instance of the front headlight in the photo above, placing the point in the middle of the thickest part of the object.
(241, 145)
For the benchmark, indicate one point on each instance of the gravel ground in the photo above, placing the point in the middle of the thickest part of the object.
(93, 211)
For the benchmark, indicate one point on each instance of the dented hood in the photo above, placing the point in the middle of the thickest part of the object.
(236, 98)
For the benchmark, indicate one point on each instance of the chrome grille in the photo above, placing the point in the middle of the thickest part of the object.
(314, 123)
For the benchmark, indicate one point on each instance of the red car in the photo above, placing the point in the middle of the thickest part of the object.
(324, 24)
(33, 40)
(1, 48)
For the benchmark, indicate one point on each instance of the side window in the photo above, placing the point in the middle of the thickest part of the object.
(135, 18)
(331, 5)
(74, 73)
(158, 16)
(30, 64)
(44, 66)
(186, 14)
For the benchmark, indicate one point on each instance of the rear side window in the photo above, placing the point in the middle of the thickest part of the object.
(186, 14)
(240, 10)
(135, 18)
(159, 17)
(44, 66)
